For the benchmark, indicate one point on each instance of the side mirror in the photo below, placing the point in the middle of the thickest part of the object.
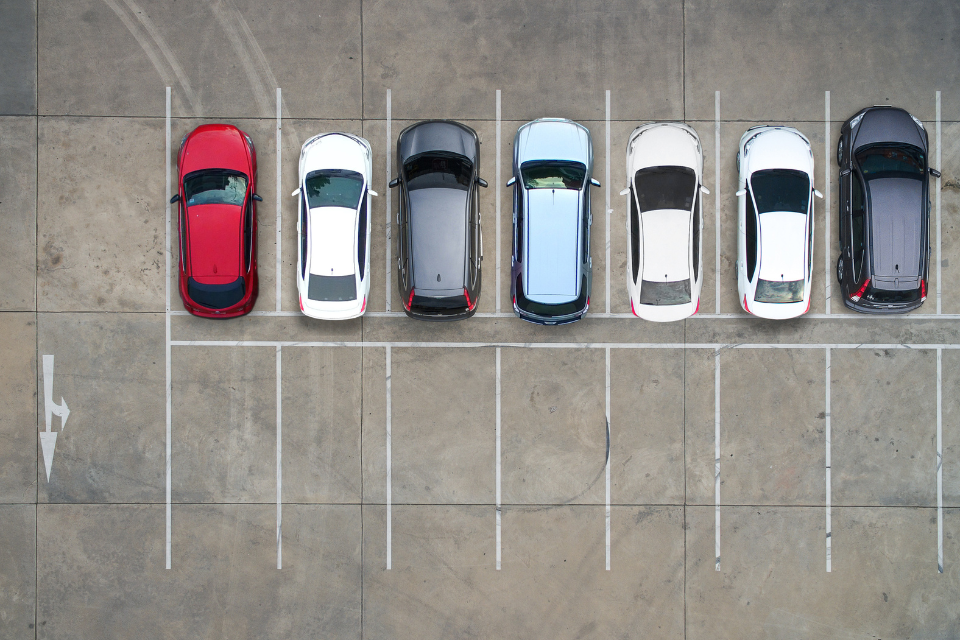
(704, 190)
(934, 172)
(845, 173)
(594, 182)
(296, 193)
(372, 192)
(482, 182)
(257, 198)
(742, 192)
(394, 182)
(818, 194)
(511, 181)
(625, 191)
(175, 198)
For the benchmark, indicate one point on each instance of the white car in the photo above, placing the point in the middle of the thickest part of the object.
(665, 221)
(333, 226)
(775, 222)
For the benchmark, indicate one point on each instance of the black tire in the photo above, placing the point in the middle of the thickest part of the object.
(840, 270)
(840, 152)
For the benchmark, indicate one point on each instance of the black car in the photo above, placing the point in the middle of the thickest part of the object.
(439, 247)
(884, 211)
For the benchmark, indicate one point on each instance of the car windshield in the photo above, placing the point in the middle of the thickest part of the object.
(438, 170)
(664, 293)
(778, 292)
(781, 190)
(552, 174)
(215, 186)
(891, 161)
(332, 288)
(665, 188)
(334, 188)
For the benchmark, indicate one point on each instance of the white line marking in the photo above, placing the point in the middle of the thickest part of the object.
(607, 513)
(279, 463)
(608, 211)
(389, 470)
(939, 456)
(498, 223)
(829, 497)
(827, 166)
(279, 250)
(716, 197)
(169, 381)
(48, 438)
(389, 198)
(716, 449)
(939, 227)
(498, 462)
(562, 345)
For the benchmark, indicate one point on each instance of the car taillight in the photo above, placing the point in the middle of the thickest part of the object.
(466, 295)
(856, 297)
(634, 311)
(410, 300)
(923, 290)
(746, 308)
(697, 310)
(300, 298)
(364, 305)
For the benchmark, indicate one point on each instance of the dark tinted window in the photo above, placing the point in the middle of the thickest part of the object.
(552, 310)
(216, 186)
(882, 296)
(438, 170)
(332, 288)
(552, 174)
(427, 304)
(664, 293)
(215, 296)
(248, 235)
(665, 188)
(518, 203)
(781, 190)
(785, 291)
(858, 230)
(304, 218)
(634, 236)
(585, 227)
(751, 232)
(334, 188)
(696, 237)
(362, 236)
(891, 161)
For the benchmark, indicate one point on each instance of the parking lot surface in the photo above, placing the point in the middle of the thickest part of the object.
(275, 476)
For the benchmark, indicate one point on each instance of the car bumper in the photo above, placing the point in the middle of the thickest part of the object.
(882, 309)
(441, 317)
(670, 313)
(545, 321)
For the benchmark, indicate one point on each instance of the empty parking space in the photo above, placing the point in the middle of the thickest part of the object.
(18, 568)
(18, 212)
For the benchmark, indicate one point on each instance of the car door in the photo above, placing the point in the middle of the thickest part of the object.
(858, 231)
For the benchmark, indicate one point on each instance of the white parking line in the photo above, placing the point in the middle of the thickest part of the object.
(939, 227)
(717, 346)
(498, 462)
(389, 196)
(716, 450)
(279, 462)
(716, 198)
(279, 164)
(389, 469)
(607, 209)
(169, 383)
(827, 166)
(939, 459)
(829, 496)
(607, 513)
(497, 192)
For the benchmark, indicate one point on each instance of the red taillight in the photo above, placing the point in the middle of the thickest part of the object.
(634, 311)
(697, 310)
(745, 307)
(364, 305)
(923, 290)
(514, 300)
(856, 297)
(301, 302)
(410, 300)
(466, 295)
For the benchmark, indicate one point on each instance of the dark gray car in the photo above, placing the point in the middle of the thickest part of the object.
(884, 211)
(439, 246)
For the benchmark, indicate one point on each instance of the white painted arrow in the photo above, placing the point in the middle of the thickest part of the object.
(48, 438)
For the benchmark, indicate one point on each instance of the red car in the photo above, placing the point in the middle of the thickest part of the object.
(218, 221)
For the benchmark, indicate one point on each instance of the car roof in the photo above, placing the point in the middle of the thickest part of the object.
(896, 226)
(333, 241)
(438, 228)
(783, 243)
(666, 245)
(552, 257)
(213, 242)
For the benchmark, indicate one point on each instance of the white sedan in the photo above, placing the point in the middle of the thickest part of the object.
(333, 226)
(775, 222)
(665, 221)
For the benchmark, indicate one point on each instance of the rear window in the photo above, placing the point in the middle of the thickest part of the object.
(216, 296)
(334, 188)
(778, 292)
(664, 293)
(885, 296)
(332, 288)
(665, 188)
(891, 161)
(552, 310)
(427, 304)
(437, 170)
(215, 186)
(552, 174)
(781, 190)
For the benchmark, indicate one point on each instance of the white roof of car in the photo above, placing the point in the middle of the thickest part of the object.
(665, 145)
(666, 245)
(783, 241)
(333, 151)
(333, 241)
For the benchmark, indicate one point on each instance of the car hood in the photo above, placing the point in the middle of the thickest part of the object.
(896, 206)
(783, 241)
(334, 151)
(553, 140)
(438, 228)
(214, 242)
(664, 145)
(553, 240)
(438, 136)
(333, 241)
(888, 125)
(778, 149)
(215, 148)
(666, 245)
